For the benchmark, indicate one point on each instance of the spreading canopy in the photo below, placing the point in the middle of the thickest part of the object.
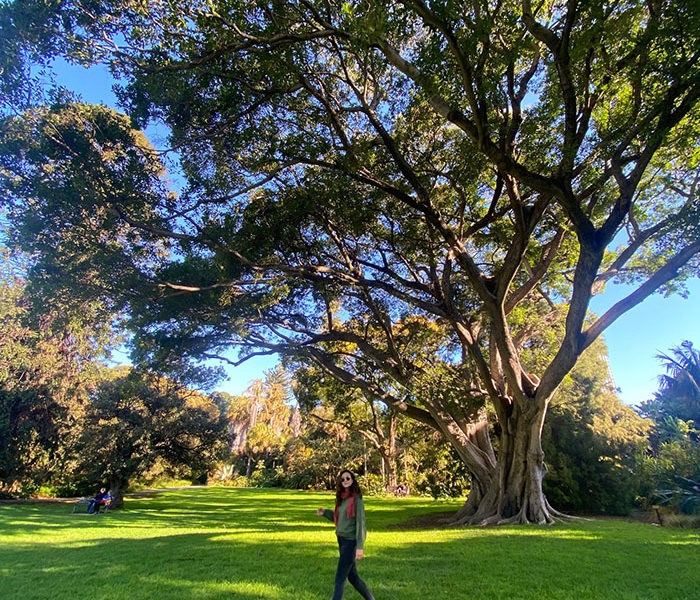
(484, 167)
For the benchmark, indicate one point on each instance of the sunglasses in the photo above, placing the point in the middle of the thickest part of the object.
(346, 478)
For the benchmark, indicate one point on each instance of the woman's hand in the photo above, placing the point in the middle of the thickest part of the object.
(359, 554)
(319, 512)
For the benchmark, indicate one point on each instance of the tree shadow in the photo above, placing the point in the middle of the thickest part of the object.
(222, 565)
(270, 545)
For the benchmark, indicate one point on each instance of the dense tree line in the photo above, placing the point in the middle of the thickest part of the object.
(602, 456)
(70, 424)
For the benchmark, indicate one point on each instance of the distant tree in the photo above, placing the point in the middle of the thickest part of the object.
(259, 420)
(351, 164)
(355, 411)
(676, 404)
(673, 466)
(48, 364)
(593, 442)
(137, 420)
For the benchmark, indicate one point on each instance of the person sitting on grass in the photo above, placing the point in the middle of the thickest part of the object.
(401, 490)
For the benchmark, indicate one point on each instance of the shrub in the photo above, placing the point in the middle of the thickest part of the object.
(681, 521)
(372, 484)
(683, 497)
(263, 477)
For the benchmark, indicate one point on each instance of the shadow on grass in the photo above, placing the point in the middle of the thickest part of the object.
(584, 562)
(249, 509)
(247, 544)
(210, 508)
(169, 566)
(214, 566)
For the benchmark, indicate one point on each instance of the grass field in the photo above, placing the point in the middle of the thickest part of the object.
(216, 543)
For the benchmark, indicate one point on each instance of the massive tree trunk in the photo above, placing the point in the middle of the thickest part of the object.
(522, 469)
(507, 488)
(117, 487)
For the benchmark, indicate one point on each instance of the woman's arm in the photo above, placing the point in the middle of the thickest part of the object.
(324, 512)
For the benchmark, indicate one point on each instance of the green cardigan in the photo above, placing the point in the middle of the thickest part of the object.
(353, 529)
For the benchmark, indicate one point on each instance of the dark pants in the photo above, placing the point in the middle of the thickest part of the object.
(94, 506)
(347, 570)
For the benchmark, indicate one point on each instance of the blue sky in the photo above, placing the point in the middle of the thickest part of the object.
(653, 327)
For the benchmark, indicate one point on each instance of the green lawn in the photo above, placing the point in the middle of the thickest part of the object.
(207, 543)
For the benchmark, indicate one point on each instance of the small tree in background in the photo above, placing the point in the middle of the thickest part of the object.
(138, 421)
(356, 411)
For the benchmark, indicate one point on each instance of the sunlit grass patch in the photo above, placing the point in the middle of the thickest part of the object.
(216, 543)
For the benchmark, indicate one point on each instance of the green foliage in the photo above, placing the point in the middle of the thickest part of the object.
(347, 165)
(48, 364)
(263, 477)
(314, 459)
(68, 423)
(685, 495)
(372, 484)
(447, 479)
(593, 443)
(308, 462)
(259, 424)
(676, 405)
(673, 463)
(137, 422)
(76, 172)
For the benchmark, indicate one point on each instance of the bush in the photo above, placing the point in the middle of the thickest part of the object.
(18, 489)
(237, 481)
(371, 484)
(445, 476)
(263, 477)
(683, 497)
(672, 477)
(681, 521)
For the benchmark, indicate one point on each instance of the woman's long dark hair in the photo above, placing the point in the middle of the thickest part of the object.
(339, 489)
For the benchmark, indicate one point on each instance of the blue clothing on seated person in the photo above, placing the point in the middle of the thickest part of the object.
(102, 497)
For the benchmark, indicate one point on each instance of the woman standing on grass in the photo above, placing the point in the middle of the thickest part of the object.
(350, 527)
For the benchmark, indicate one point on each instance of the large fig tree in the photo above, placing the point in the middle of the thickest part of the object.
(418, 197)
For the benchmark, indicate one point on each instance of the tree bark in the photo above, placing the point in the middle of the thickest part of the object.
(388, 453)
(249, 466)
(507, 489)
(117, 488)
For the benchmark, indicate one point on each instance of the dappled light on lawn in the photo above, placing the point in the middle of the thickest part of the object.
(223, 543)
